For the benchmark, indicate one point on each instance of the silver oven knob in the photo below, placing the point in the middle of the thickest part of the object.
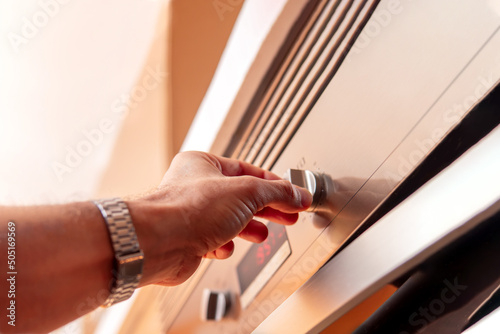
(215, 305)
(313, 182)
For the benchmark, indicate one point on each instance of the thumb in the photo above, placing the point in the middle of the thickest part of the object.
(287, 197)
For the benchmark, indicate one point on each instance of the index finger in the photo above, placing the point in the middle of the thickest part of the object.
(233, 167)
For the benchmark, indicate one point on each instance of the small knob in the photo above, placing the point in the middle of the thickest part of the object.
(215, 305)
(311, 181)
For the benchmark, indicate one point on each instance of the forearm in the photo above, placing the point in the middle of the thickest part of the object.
(64, 258)
(63, 261)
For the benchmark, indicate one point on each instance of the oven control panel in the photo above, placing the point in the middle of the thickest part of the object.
(394, 98)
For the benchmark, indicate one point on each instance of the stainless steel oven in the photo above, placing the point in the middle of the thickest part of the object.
(372, 98)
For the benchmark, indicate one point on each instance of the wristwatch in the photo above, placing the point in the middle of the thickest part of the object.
(129, 258)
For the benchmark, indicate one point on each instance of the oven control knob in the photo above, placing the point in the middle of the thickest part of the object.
(313, 182)
(215, 305)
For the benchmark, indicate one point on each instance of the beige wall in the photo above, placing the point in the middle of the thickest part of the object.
(188, 45)
(200, 29)
(139, 157)
(58, 86)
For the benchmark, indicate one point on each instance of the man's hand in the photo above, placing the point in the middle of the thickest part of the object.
(65, 254)
(201, 205)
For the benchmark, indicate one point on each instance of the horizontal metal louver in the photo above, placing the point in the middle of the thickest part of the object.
(316, 53)
(304, 73)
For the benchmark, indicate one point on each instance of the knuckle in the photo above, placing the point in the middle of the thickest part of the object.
(288, 189)
(253, 184)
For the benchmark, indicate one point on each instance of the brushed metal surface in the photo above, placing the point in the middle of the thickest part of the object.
(302, 46)
(450, 205)
(409, 79)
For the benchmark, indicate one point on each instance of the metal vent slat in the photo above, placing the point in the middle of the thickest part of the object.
(273, 149)
(343, 24)
(310, 65)
(293, 91)
(288, 70)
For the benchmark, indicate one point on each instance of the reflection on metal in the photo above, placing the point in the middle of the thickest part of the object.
(452, 204)
(397, 93)
(489, 324)
(341, 191)
(315, 183)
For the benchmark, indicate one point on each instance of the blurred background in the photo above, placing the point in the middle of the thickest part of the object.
(97, 97)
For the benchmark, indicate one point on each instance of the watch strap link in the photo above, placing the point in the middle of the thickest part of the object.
(128, 255)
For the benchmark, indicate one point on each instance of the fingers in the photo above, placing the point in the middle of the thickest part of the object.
(286, 195)
(280, 193)
(277, 216)
(232, 167)
(222, 252)
(283, 196)
(255, 231)
(255, 192)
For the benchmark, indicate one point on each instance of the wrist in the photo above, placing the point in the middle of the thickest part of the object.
(165, 244)
(128, 256)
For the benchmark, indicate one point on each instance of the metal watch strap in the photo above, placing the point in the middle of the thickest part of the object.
(128, 255)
